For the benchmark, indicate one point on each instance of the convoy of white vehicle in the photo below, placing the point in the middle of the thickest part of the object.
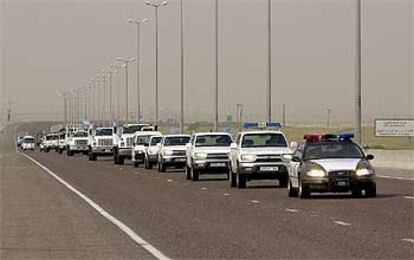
(322, 163)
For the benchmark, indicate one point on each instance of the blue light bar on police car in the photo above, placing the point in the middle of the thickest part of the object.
(346, 136)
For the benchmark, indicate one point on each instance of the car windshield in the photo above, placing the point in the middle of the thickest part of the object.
(132, 129)
(213, 140)
(103, 132)
(143, 140)
(176, 140)
(332, 150)
(80, 134)
(29, 140)
(264, 140)
(52, 137)
(156, 140)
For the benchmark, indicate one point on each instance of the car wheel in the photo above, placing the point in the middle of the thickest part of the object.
(187, 172)
(163, 168)
(240, 180)
(292, 192)
(232, 178)
(303, 192)
(121, 160)
(195, 175)
(136, 165)
(146, 164)
(371, 191)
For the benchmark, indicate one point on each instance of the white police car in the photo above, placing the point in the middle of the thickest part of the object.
(330, 163)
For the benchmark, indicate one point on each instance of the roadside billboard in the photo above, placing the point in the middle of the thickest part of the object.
(394, 127)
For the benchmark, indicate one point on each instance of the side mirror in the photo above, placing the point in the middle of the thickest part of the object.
(369, 157)
(287, 157)
(296, 159)
(293, 145)
(233, 146)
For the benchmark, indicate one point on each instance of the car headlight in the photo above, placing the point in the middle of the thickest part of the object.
(167, 152)
(248, 157)
(140, 152)
(316, 173)
(200, 156)
(364, 171)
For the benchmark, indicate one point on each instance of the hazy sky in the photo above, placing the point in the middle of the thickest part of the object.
(52, 45)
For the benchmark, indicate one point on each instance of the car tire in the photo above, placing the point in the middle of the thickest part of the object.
(136, 165)
(195, 175)
(187, 172)
(292, 192)
(163, 168)
(92, 157)
(240, 180)
(303, 192)
(232, 178)
(60, 151)
(69, 152)
(371, 191)
(121, 160)
(146, 163)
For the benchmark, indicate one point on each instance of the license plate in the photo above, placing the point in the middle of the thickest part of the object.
(342, 183)
(180, 160)
(269, 168)
(217, 165)
(107, 150)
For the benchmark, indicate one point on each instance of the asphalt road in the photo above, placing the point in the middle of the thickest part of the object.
(204, 219)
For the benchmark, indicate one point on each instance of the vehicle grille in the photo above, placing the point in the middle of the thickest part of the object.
(339, 175)
(81, 142)
(268, 158)
(179, 153)
(217, 156)
(129, 141)
(105, 142)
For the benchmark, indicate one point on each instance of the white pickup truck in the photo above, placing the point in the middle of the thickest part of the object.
(172, 152)
(51, 142)
(100, 142)
(258, 155)
(77, 142)
(141, 143)
(207, 153)
(123, 139)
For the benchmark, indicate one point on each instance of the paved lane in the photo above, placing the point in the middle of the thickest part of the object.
(207, 219)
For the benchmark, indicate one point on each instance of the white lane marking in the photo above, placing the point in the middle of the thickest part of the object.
(395, 177)
(226, 194)
(254, 201)
(127, 230)
(291, 210)
(204, 188)
(341, 223)
(409, 197)
(169, 180)
(385, 176)
(408, 240)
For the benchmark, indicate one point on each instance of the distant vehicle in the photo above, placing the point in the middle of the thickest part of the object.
(62, 133)
(77, 142)
(258, 155)
(51, 142)
(123, 140)
(19, 141)
(100, 142)
(151, 153)
(330, 163)
(207, 153)
(28, 143)
(172, 152)
(140, 146)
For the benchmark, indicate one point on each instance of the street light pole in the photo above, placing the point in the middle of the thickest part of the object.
(125, 65)
(216, 90)
(182, 69)
(269, 79)
(138, 24)
(156, 6)
(358, 95)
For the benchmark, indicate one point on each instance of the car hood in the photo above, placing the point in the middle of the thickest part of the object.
(338, 164)
(212, 149)
(266, 150)
(175, 147)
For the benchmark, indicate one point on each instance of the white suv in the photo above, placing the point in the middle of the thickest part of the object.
(100, 142)
(151, 153)
(207, 153)
(172, 152)
(258, 155)
(141, 144)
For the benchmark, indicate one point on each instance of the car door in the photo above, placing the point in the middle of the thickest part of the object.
(294, 167)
